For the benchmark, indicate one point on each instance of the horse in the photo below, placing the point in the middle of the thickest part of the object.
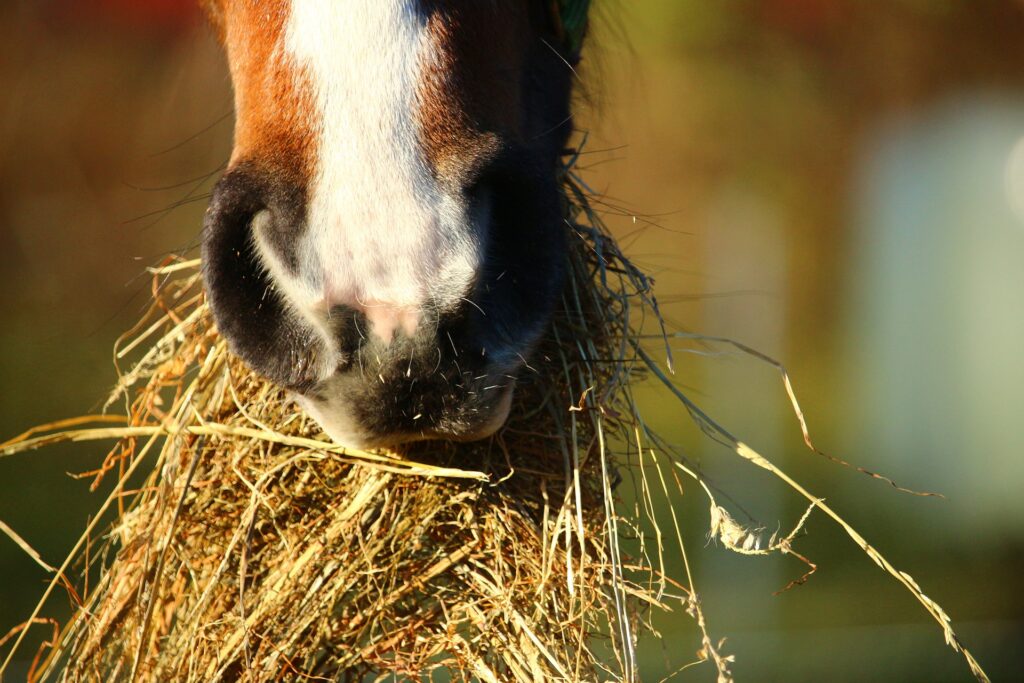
(387, 242)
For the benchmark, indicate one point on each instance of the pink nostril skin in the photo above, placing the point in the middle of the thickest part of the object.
(386, 319)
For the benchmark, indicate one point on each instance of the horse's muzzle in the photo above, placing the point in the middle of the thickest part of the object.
(445, 370)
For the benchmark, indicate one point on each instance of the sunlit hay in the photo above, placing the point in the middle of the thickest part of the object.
(240, 545)
(256, 550)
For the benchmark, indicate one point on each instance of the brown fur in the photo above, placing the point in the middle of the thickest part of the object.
(273, 98)
(470, 95)
(469, 98)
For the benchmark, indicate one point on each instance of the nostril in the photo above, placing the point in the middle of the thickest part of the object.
(230, 268)
(250, 207)
(248, 311)
(274, 235)
(236, 198)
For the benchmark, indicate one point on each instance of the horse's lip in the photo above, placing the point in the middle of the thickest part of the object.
(501, 408)
(496, 421)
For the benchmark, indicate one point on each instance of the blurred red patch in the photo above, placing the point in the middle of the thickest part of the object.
(158, 16)
(804, 18)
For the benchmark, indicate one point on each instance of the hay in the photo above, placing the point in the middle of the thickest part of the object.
(255, 546)
(242, 546)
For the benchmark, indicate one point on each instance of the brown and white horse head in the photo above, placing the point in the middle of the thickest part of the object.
(388, 241)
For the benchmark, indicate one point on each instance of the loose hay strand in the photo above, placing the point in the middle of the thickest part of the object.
(751, 455)
(25, 547)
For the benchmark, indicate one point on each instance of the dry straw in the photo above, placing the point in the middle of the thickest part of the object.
(239, 545)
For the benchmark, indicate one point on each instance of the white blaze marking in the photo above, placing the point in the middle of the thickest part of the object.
(382, 237)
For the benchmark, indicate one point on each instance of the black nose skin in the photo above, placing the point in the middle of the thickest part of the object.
(247, 308)
(524, 269)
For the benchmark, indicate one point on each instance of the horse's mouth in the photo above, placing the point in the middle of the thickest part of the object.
(359, 420)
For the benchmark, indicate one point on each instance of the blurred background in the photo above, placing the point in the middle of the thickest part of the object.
(839, 184)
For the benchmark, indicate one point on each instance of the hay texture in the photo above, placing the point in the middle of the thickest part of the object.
(256, 550)
(238, 544)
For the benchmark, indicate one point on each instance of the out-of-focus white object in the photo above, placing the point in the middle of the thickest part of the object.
(1015, 179)
(935, 320)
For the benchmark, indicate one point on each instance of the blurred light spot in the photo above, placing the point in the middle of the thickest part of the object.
(1015, 179)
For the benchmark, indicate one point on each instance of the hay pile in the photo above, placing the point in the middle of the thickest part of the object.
(240, 545)
(255, 550)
